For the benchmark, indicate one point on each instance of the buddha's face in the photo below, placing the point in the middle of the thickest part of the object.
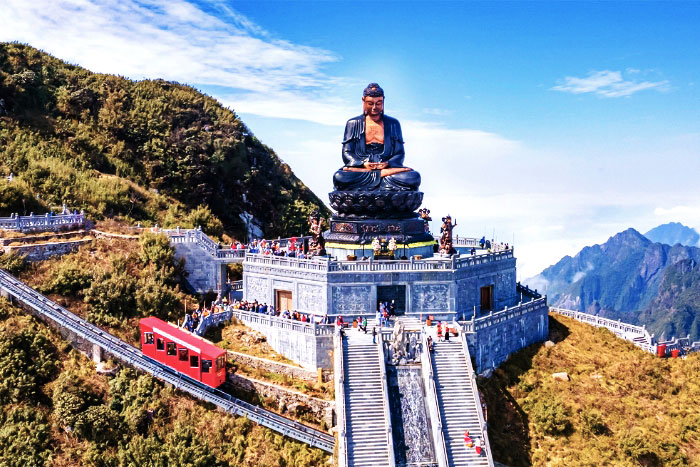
(373, 106)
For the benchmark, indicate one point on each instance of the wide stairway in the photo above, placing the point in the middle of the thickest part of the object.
(367, 433)
(458, 408)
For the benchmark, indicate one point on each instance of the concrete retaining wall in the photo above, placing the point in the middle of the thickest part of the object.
(277, 367)
(291, 402)
(42, 251)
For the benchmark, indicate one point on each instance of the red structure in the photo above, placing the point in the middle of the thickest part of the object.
(183, 352)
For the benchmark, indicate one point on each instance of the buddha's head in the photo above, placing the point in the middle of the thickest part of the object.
(373, 101)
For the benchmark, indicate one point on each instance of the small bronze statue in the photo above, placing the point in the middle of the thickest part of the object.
(425, 215)
(317, 245)
(446, 236)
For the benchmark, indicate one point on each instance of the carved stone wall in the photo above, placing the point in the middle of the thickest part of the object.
(351, 300)
(310, 297)
(257, 288)
(430, 297)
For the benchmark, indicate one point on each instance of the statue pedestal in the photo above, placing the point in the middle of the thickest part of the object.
(354, 237)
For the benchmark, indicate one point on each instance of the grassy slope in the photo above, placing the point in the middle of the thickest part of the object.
(622, 406)
(149, 151)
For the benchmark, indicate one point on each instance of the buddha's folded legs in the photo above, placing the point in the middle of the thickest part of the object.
(348, 180)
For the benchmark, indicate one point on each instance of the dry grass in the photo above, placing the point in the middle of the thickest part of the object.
(624, 406)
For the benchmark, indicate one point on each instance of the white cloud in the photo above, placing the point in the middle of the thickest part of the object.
(608, 84)
(686, 215)
(169, 39)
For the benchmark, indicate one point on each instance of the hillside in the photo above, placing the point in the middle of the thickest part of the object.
(621, 407)
(618, 279)
(141, 151)
(58, 412)
(672, 233)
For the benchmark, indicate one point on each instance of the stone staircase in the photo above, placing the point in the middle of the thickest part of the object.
(458, 407)
(368, 435)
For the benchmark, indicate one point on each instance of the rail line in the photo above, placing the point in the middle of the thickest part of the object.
(133, 356)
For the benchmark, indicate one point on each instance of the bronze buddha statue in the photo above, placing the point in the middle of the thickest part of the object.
(373, 150)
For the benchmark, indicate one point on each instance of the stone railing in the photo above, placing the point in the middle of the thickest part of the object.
(41, 223)
(524, 290)
(339, 372)
(477, 399)
(506, 314)
(385, 403)
(328, 265)
(432, 402)
(284, 323)
(213, 248)
(638, 335)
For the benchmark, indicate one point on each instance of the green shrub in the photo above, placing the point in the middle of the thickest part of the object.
(550, 417)
(28, 359)
(593, 422)
(13, 262)
(25, 437)
(67, 278)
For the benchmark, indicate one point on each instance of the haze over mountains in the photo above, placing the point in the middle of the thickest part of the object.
(633, 278)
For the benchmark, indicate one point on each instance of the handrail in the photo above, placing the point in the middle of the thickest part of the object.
(16, 222)
(340, 400)
(385, 403)
(477, 399)
(284, 323)
(622, 330)
(429, 380)
(133, 356)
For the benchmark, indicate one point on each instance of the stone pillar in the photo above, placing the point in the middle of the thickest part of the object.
(96, 353)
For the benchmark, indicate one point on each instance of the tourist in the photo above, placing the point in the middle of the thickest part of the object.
(468, 440)
(439, 330)
(386, 317)
(379, 318)
(447, 333)
(364, 324)
(430, 343)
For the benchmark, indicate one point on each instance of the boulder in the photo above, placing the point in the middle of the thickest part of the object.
(561, 376)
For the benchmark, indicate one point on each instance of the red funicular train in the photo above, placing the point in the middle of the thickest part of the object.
(183, 352)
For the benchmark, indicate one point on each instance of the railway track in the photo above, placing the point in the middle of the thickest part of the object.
(133, 357)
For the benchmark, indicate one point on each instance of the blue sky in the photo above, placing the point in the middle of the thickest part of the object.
(550, 124)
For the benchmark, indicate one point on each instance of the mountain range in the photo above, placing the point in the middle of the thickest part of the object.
(674, 232)
(631, 278)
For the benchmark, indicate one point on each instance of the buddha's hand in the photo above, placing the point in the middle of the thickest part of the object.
(392, 171)
(375, 165)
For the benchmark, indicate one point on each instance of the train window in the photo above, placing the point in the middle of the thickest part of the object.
(206, 364)
(148, 338)
(220, 362)
(160, 344)
(182, 354)
(194, 361)
(171, 348)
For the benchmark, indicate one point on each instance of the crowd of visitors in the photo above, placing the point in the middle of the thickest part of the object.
(293, 249)
(192, 320)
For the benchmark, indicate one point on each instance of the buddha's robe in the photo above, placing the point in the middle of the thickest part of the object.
(356, 152)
